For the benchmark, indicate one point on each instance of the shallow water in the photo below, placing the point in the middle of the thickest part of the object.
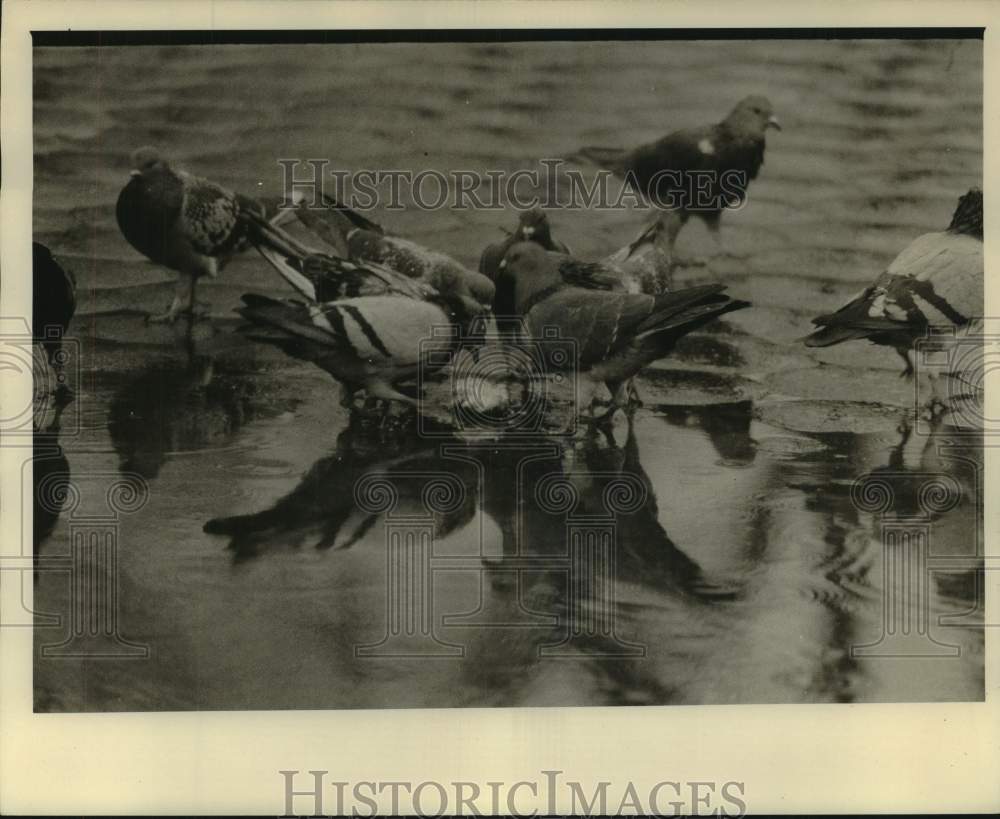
(747, 566)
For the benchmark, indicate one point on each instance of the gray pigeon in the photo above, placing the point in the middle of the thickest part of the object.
(668, 172)
(369, 342)
(937, 281)
(614, 334)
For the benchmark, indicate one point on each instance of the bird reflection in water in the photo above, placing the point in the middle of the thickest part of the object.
(726, 424)
(938, 477)
(322, 510)
(822, 530)
(184, 402)
(585, 548)
(532, 574)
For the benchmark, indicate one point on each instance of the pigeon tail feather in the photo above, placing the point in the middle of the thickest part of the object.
(695, 316)
(291, 317)
(835, 334)
(669, 305)
(352, 216)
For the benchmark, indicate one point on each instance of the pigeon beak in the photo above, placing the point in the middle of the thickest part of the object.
(135, 172)
(773, 122)
(503, 264)
(528, 232)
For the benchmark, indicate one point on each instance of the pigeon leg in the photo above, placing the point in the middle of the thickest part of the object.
(937, 406)
(673, 221)
(634, 399)
(346, 396)
(182, 303)
(712, 222)
(904, 353)
(619, 400)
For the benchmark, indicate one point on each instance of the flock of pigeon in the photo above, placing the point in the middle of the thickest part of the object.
(367, 298)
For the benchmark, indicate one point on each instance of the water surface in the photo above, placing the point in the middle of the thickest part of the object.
(746, 567)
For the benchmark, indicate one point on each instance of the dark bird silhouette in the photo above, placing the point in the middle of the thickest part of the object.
(614, 335)
(52, 308)
(937, 281)
(183, 222)
(697, 171)
(532, 226)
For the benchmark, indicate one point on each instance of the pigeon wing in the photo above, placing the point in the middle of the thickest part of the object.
(692, 149)
(596, 323)
(948, 268)
(209, 217)
(589, 275)
(936, 280)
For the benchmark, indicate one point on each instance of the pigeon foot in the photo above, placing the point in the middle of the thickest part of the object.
(934, 410)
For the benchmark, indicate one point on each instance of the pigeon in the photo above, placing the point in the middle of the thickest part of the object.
(937, 281)
(366, 241)
(669, 172)
(638, 267)
(532, 226)
(183, 222)
(369, 342)
(321, 277)
(52, 308)
(614, 334)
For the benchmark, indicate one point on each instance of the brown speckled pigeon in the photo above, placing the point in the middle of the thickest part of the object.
(321, 277)
(937, 281)
(668, 172)
(365, 241)
(183, 222)
(614, 334)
